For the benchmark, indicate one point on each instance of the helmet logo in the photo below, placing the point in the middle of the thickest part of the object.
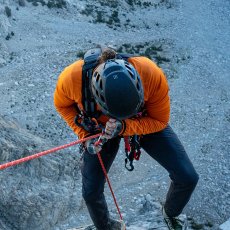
(115, 77)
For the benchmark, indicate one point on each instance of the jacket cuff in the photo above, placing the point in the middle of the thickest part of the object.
(123, 128)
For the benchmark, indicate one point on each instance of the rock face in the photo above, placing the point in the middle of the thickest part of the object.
(36, 194)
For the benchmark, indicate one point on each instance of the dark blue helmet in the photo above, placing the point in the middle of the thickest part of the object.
(117, 89)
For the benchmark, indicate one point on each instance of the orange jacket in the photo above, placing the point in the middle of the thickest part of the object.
(68, 94)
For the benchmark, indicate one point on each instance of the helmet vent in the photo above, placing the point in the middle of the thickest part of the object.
(131, 74)
(138, 87)
(97, 77)
(101, 86)
(129, 69)
(102, 98)
(97, 93)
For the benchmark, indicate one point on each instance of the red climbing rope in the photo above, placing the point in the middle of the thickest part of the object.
(110, 187)
(37, 155)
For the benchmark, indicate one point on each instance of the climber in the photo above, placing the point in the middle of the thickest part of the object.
(120, 88)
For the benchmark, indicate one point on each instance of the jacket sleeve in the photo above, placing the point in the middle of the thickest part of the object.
(157, 106)
(65, 103)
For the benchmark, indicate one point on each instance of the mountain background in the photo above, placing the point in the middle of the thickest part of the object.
(189, 40)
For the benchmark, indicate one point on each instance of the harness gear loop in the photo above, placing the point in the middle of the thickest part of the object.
(132, 150)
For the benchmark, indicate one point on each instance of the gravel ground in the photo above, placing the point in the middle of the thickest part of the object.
(195, 37)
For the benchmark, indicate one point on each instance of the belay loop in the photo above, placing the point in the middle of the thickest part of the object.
(132, 150)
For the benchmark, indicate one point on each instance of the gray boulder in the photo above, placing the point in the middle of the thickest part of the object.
(38, 194)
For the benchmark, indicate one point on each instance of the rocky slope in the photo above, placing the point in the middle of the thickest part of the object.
(38, 38)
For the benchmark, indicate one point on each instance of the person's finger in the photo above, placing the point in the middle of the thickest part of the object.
(112, 120)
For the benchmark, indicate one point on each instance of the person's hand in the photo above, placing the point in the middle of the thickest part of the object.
(91, 147)
(113, 128)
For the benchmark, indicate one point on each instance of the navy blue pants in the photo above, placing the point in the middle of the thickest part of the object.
(166, 149)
